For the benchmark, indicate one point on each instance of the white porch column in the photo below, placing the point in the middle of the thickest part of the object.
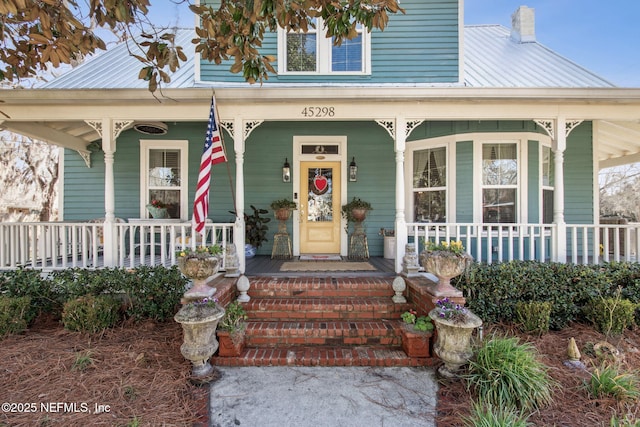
(401, 222)
(559, 146)
(109, 130)
(239, 232)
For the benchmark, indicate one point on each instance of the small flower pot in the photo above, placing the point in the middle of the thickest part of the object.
(416, 343)
(229, 346)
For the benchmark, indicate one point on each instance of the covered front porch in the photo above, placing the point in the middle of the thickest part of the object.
(58, 245)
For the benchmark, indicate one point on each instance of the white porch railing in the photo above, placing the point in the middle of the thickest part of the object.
(59, 245)
(585, 244)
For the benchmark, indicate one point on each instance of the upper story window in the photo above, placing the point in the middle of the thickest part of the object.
(164, 175)
(499, 182)
(548, 184)
(313, 53)
(430, 185)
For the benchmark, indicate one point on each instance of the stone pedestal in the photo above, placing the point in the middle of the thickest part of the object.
(358, 245)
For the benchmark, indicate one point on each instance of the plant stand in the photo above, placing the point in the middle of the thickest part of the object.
(282, 242)
(358, 246)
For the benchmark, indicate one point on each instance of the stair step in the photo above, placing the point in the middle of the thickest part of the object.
(262, 287)
(321, 308)
(319, 333)
(323, 356)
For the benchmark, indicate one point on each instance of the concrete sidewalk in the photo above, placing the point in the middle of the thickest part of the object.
(323, 396)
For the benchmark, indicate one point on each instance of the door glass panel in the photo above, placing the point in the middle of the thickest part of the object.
(320, 204)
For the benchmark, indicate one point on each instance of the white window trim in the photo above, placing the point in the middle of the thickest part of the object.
(542, 186)
(447, 188)
(323, 54)
(477, 138)
(149, 144)
(521, 186)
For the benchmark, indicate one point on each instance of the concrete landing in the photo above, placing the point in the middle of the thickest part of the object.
(323, 396)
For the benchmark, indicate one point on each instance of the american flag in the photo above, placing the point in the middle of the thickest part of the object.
(212, 154)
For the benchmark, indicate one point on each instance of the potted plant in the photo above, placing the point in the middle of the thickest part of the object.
(445, 260)
(356, 210)
(416, 334)
(157, 209)
(255, 230)
(231, 330)
(454, 325)
(198, 265)
(282, 208)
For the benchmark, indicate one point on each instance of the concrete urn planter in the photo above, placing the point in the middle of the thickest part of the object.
(199, 323)
(453, 343)
(199, 269)
(445, 266)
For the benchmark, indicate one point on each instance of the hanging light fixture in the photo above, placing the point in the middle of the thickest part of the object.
(286, 171)
(353, 170)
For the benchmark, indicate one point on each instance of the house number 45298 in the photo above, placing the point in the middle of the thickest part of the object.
(319, 111)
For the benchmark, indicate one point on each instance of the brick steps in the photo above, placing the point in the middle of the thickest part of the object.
(286, 334)
(326, 321)
(310, 287)
(323, 356)
(343, 308)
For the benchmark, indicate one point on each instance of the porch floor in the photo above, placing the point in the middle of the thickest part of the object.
(261, 265)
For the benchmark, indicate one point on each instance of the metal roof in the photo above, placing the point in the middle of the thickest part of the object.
(493, 59)
(117, 69)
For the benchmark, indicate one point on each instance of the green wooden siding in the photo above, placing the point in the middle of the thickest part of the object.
(533, 181)
(464, 181)
(424, 41)
(578, 176)
(271, 142)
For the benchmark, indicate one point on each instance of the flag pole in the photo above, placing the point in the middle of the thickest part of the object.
(233, 193)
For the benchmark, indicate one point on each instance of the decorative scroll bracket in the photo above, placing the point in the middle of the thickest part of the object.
(549, 126)
(390, 126)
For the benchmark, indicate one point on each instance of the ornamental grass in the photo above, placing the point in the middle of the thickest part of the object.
(506, 373)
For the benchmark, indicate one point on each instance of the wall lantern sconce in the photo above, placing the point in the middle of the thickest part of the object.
(286, 171)
(353, 170)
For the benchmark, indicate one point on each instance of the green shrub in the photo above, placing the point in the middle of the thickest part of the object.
(608, 381)
(493, 290)
(533, 316)
(13, 311)
(505, 373)
(75, 282)
(153, 292)
(611, 316)
(32, 284)
(91, 313)
(493, 416)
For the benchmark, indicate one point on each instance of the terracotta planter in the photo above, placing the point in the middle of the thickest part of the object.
(453, 341)
(230, 347)
(282, 214)
(445, 266)
(359, 214)
(416, 343)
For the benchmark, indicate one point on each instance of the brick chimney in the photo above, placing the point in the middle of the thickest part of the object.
(523, 25)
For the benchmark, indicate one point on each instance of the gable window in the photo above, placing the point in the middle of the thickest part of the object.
(430, 185)
(164, 175)
(313, 53)
(548, 185)
(499, 182)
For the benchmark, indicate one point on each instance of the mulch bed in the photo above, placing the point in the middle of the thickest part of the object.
(137, 370)
(572, 405)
